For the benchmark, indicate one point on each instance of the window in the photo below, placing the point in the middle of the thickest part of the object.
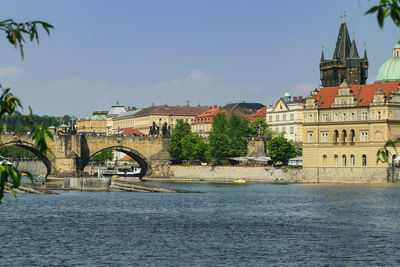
(390, 115)
(284, 129)
(352, 160)
(364, 160)
(344, 160)
(364, 137)
(291, 129)
(335, 136)
(291, 116)
(353, 117)
(172, 121)
(160, 121)
(324, 137)
(310, 117)
(310, 137)
(324, 159)
(270, 117)
(379, 115)
(344, 116)
(336, 117)
(335, 160)
(277, 118)
(277, 130)
(284, 117)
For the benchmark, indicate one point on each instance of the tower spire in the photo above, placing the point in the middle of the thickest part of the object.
(353, 50)
(365, 51)
(322, 54)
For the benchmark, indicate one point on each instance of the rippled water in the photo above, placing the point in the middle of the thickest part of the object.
(249, 225)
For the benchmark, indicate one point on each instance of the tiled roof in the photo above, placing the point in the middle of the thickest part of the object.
(171, 110)
(126, 157)
(208, 115)
(364, 94)
(262, 112)
(129, 131)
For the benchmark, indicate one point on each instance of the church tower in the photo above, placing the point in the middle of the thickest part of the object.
(346, 63)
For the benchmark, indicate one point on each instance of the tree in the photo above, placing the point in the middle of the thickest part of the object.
(193, 148)
(384, 9)
(181, 129)
(219, 148)
(10, 104)
(237, 132)
(103, 156)
(280, 150)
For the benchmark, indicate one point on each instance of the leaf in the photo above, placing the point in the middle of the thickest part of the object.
(372, 10)
(380, 17)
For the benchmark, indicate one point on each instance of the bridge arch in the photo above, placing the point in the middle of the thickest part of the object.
(135, 155)
(30, 147)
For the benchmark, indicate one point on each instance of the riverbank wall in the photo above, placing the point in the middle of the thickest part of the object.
(226, 174)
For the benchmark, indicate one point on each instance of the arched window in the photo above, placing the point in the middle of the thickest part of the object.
(324, 159)
(344, 160)
(335, 136)
(393, 160)
(352, 160)
(160, 121)
(364, 160)
(335, 160)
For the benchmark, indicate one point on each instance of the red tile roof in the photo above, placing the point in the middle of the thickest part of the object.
(364, 94)
(172, 110)
(262, 112)
(208, 115)
(126, 158)
(129, 131)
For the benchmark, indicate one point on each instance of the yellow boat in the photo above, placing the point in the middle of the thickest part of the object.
(115, 176)
(42, 176)
(240, 181)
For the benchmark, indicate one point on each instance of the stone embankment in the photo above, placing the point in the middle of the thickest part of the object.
(226, 174)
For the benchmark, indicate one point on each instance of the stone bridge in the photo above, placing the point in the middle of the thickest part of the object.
(69, 154)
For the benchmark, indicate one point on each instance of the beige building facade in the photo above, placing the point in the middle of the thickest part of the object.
(343, 128)
(97, 123)
(286, 117)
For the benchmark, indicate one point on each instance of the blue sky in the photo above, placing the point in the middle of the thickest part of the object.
(167, 52)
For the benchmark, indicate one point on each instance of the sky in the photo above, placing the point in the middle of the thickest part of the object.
(168, 51)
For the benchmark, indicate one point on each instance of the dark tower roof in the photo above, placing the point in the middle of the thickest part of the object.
(365, 53)
(342, 50)
(353, 50)
(322, 56)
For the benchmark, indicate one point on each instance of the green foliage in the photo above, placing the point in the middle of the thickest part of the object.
(17, 123)
(16, 152)
(181, 129)
(254, 125)
(280, 150)
(15, 31)
(384, 9)
(103, 156)
(9, 104)
(193, 147)
(219, 148)
(298, 148)
(40, 135)
(238, 130)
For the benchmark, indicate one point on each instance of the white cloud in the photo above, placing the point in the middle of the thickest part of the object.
(9, 73)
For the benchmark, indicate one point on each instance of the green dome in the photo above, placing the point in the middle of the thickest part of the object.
(287, 94)
(390, 71)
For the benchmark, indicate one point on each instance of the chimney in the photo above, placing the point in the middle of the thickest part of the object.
(300, 99)
(129, 108)
(187, 103)
(152, 104)
(215, 106)
(294, 98)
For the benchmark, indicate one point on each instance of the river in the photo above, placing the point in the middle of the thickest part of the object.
(242, 225)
